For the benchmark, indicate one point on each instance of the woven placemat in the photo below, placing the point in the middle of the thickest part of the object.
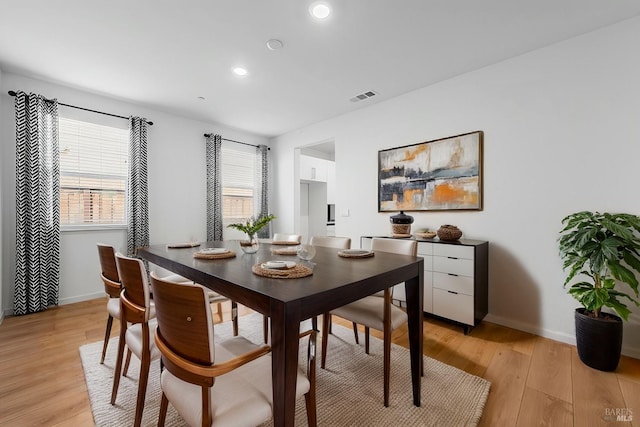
(183, 245)
(355, 255)
(284, 251)
(290, 273)
(201, 255)
(283, 242)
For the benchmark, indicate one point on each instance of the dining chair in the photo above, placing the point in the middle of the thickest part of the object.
(137, 328)
(111, 281)
(214, 298)
(211, 382)
(324, 241)
(280, 238)
(374, 311)
(294, 239)
(331, 242)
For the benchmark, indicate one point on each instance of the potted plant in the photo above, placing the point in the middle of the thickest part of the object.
(251, 227)
(605, 248)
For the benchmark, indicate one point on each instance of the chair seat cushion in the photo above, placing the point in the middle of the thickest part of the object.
(133, 338)
(176, 278)
(368, 311)
(242, 397)
(113, 307)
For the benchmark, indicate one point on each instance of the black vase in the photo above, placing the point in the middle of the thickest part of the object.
(599, 341)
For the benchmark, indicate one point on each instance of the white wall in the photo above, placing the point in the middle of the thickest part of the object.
(2, 108)
(561, 135)
(177, 184)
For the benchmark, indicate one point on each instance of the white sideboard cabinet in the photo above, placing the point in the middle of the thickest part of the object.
(456, 279)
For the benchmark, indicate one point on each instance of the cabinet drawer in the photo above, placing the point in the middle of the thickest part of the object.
(459, 266)
(455, 251)
(447, 282)
(458, 307)
(425, 248)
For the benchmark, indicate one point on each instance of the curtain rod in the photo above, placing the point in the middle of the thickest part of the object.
(207, 135)
(13, 93)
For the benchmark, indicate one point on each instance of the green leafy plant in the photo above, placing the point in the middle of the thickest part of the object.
(604, 247)
(253, 225)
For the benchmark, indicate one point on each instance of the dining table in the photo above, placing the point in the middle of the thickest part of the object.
(335, 281)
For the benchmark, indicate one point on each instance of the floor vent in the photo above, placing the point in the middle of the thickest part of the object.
(363, 96)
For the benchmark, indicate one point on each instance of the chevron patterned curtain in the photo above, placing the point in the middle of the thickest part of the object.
(262, 171)
(37, 204)
(138, 194)
(214, 188)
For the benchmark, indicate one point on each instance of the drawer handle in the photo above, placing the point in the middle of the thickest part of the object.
(451, 292)
(452, 257)
(451, 274)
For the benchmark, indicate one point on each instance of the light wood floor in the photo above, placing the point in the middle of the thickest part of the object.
(535, 381)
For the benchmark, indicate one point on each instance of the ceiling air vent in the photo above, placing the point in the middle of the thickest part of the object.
(363, 96)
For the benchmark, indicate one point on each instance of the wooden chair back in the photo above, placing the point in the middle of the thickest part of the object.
(110, 276)
(135, 288)
(331, 242)
(184, 320)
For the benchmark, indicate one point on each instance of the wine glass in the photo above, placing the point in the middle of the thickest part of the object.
(306, 252)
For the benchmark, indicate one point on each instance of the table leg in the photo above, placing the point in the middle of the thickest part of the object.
(414, 291)
(285, 329)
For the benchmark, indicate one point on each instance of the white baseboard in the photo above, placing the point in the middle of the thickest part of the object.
(553, 335)
(532, 329)
(63, 301)
(79, 298)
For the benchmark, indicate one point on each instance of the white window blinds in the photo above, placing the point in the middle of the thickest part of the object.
(93, 173)
(238, 184)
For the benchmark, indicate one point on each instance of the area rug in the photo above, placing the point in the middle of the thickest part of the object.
(349, 391)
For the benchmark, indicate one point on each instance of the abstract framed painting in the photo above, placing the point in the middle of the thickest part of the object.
(439, 175)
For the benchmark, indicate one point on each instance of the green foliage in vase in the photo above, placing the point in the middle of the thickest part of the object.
(252, 225)
(606, 248)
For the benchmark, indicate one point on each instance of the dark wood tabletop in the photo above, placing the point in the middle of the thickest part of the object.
(335, 281)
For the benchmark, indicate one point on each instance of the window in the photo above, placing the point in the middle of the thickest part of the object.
(93, 173)
(238, 184)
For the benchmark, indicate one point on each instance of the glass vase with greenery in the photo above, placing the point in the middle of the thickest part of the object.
(251, 227)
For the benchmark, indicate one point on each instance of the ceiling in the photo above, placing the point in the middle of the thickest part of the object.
(165, 54)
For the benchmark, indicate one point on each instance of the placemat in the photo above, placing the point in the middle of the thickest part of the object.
(283, 242)
(183, 245)
(290, 273)
(347, 254)
(284, 251)
(201, 255)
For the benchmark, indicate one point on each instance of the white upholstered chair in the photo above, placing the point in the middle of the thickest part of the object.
(294, 239)
(331, 242)
(209, 383)
(137, 327)
(374, 311)
(279, 238)
(324, 241)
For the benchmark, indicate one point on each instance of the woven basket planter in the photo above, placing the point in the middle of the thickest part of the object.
(449, 233)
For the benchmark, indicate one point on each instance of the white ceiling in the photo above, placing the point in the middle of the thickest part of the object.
(166, 53)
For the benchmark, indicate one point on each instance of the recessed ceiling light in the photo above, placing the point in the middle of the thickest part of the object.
(320, 10)
(274, 44)
(240, 71)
